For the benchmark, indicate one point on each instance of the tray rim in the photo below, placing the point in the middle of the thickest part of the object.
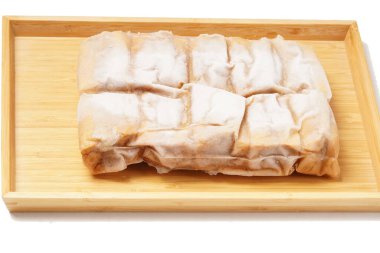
(190, 201)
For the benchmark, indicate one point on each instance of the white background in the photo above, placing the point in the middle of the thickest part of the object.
(199, 232)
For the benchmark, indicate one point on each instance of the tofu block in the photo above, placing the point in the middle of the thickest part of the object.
(159, 58)
(108, 121)
(206, 141)
(119, 61)
(209, 61)
(300, 126)
(257, 68)
(301, 67)
(275, 66)
(318, 132)
(104, 62)
(221, 105)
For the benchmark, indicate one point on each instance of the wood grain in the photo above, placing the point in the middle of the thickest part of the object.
(248, 28)
(366, 95)
(8, 108)
(49, 175)
(193, 201)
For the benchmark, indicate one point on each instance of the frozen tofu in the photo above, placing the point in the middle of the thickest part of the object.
(209, 129)
(257, 68)
(301, 67)
(105, 121)
(125, 61)
(269, 131)
(295, 127)
(274, 66)
(209, 63)
(268, 128)
(119, 61)
(209, 103)
(160, 58)
(104, 62)
(109, 121)
(318, 132)
(206, 141)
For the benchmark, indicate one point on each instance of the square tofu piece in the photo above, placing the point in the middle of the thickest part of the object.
(210, 106)
(269, 132)
(256, 67)
(274, 66)
(160, 58)
(209, 61)
(301, 67)
(109, 121)
(205, 143)
(104, 62)
(268, 128)
(162, 112)
(105, 121)
(293, 127)
(318, 132)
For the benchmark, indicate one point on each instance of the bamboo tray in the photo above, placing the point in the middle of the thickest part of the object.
(42, 167)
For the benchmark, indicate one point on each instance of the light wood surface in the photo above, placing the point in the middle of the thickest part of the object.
(42, 167)
(248, 28)
(8, 110)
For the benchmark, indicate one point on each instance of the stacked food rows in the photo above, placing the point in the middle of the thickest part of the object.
(211, 103)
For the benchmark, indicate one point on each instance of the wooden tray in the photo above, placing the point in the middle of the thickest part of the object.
(42, 167)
